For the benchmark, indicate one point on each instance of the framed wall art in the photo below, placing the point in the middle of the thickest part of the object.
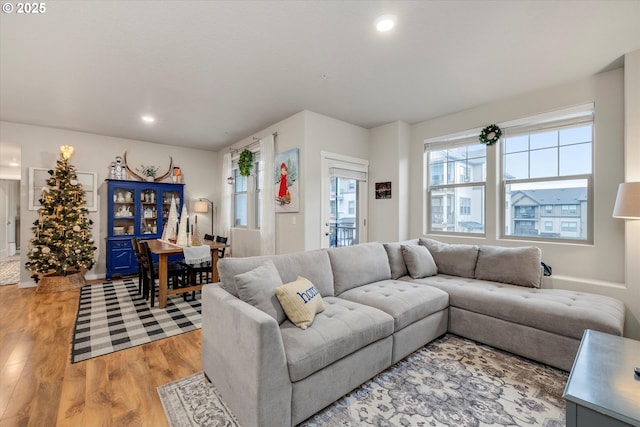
(38, 180)
(286, 177)
(383, 190)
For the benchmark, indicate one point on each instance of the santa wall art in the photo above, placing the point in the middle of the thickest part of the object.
(286, 177)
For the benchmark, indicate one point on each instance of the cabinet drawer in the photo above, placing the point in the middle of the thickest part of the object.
(120, 245)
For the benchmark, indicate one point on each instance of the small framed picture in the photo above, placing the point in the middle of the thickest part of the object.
(383, 190)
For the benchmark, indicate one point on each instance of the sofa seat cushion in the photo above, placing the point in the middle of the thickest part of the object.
(341, 329)
(406, 302)
(563, 312)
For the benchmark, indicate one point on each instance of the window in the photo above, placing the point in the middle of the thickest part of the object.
(544, 166)
(569, 209)
(352, 206)
(247, 196)
(239, 199)
(456, 171)
(465, 206)
(547, 172)
(569, 226)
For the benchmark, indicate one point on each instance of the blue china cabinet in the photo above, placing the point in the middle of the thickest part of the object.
(136, 209)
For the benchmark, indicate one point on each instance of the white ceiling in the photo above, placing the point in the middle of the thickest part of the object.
(214, 72)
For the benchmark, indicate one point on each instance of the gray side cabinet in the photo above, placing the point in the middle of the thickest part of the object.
(602, 389)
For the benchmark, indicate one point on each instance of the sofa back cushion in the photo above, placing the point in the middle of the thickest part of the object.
(516, 266)
(314, 265)
(358, 265)
(396, 260)
(453, 259)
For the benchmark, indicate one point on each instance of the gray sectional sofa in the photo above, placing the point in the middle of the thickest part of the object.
(382, 302)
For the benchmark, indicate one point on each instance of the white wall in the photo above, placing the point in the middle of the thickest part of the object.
(389, 161)
(598, 268)
(94, 153)
(334, 136)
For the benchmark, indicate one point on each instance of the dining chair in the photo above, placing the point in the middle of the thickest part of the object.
(149, 273)
(221, 239)
(136, 250)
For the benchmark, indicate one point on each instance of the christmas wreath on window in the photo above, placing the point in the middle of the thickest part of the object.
(490, 135)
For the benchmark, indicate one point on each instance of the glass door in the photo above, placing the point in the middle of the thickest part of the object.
(344, 200)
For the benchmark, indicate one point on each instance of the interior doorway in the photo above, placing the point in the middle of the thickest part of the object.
(9, 217)
(344, 200)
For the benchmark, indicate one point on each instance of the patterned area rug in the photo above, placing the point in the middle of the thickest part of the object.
(450, 382)
(113, 316)
(9, 272)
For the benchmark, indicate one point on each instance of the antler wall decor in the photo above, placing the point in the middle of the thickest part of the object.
(157, 178)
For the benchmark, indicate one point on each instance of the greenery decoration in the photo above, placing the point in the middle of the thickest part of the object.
(62, 242)
(245, 162)
(148, 170)
(490, 135)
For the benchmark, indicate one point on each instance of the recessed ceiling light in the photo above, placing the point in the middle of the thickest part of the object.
(148, 119)
(385, 22)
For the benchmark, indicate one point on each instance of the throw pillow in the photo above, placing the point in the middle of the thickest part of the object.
(301, 301)
(419, 261)
(258, 286)
(453, 259)
(396, 261)
(516, 266)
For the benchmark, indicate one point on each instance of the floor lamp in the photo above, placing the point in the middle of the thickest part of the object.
(202, 206)
(628, 207)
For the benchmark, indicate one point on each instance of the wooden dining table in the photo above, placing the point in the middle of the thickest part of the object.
(164, 250)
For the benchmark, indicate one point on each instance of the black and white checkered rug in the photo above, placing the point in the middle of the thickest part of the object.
(113, 316)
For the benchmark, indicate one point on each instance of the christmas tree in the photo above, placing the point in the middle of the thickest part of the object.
(62, 241)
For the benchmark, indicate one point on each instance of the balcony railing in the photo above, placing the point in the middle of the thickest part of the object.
(340, 235)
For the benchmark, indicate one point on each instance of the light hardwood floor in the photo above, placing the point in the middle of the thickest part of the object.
(40, 387)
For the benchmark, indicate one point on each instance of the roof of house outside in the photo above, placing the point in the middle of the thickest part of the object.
(560, 196)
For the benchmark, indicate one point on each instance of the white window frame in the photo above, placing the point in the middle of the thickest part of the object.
(253, 193)
(570, 117)
(467, 138)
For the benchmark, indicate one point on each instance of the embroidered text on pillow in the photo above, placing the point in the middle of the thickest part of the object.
(308, 294)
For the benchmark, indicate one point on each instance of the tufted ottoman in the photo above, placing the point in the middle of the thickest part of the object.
(548, 323)
(419, 312)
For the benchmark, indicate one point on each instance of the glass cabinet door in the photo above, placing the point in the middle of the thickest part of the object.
(166, 204)
(124, 212)
(149, 214)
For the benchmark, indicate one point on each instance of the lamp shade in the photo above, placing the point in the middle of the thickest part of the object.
(201, 206)
(628, 201)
